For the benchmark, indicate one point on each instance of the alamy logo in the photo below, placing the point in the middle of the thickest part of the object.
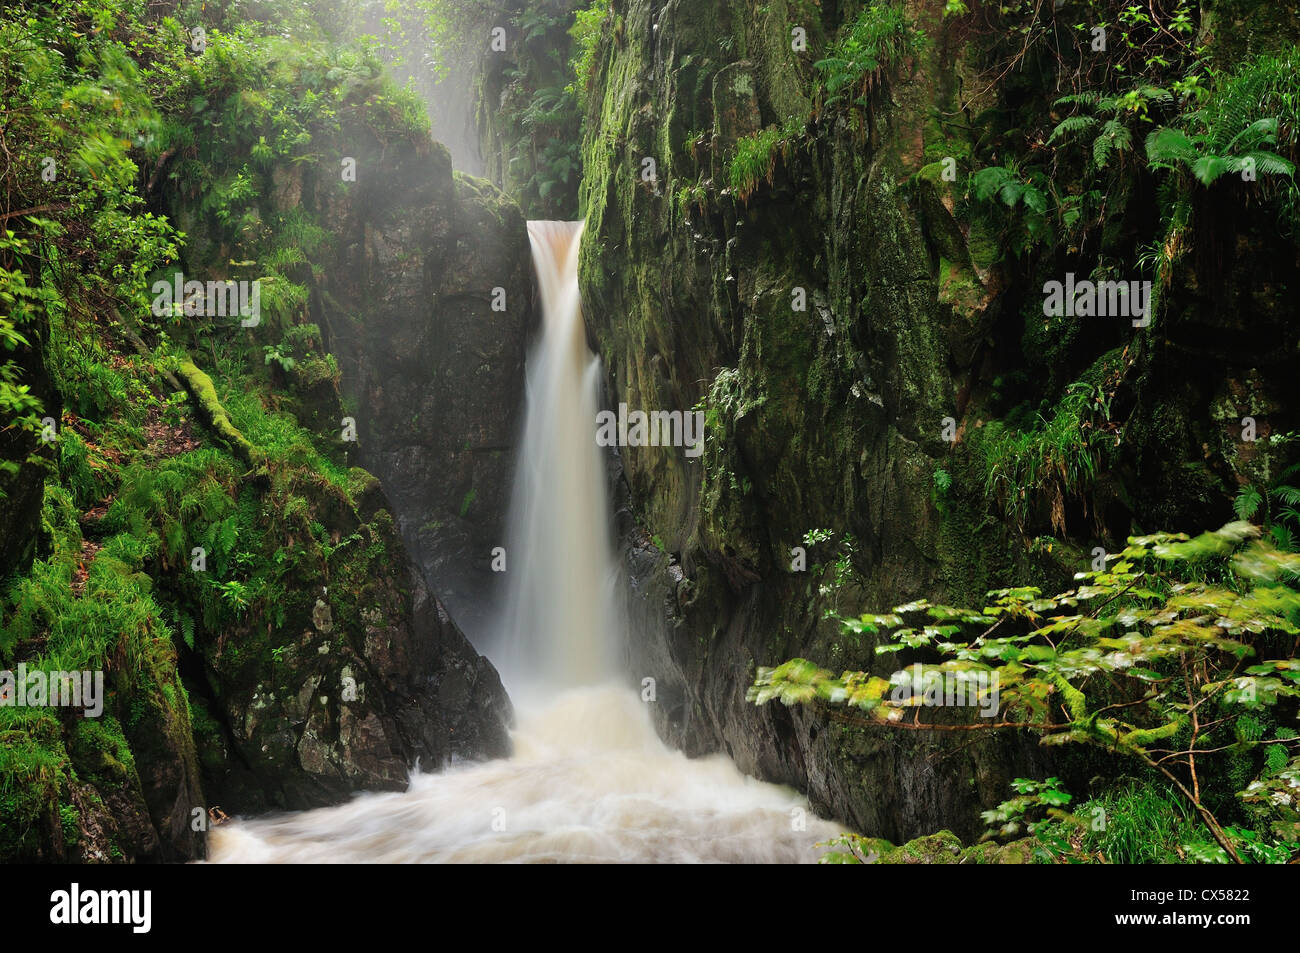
(1102, 299)
(658, 428)
(37, 689)
(75, 906)
(213, 299)
(936, 689)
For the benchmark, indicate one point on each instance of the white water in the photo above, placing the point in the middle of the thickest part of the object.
(589, 780)
(560, 608)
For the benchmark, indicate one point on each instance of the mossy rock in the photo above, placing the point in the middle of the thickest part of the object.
(944, 847)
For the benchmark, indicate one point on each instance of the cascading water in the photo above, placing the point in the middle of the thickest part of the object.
(589, 779)
(560, 615)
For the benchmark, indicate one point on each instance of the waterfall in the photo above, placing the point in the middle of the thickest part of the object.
(560, 618)
(589, 780)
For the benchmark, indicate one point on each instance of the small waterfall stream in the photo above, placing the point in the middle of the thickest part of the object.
(589, 780)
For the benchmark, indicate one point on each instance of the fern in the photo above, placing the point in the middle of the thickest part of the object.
(1275, 758)
(1289, 495)
(1166, 147)
(1071, 124)
(1089, 97)
(1015, 189)
(1114, 136)
(877, 40)
(1250, 115)
(1283, 536)
(1247, 503)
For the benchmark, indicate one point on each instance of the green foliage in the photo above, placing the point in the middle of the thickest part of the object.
(81, 633)
(724, 404)
(1054, 461)
(1245, 125)
(1278, 510)
(815, 536)
(850, 849)
(879, 39)
(1109, 126)
(1010, 817)
(279, 354)
(142, 477)
(75, 113)
(1119, 676)
(1141, 823)
(1242, 154)
(1028, 199)
(585, 32)
(1254, 107)
(17, 403)
(1132, 822)
(1247, 502)
(34, 772)
(756, 155)
(940, 484)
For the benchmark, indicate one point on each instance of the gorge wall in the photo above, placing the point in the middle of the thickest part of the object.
(832, 417)
(422, 295)
(277, 627)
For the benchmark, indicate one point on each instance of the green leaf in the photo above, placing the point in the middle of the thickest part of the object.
(1247, 502)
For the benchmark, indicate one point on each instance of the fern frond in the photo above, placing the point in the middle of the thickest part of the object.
(1283, 536)
(1166, 146)
(1259, 131)
(1070, 125)
(993, 181)
(1208, 169)
(1088, 97)
(1157, 94)
(1267, 162)
(1247, 503)
(1114, 136)
(1289, 495)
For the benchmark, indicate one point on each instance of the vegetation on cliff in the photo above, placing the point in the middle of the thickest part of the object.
(1183, 664)
(830, 227)
(201, 530)
(828, 163)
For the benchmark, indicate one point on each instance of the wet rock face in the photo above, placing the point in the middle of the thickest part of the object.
(825, 416)
(423, 299)
(830, 415)
(378, 679)
(429, 307)
(432, 378)
(340, 713)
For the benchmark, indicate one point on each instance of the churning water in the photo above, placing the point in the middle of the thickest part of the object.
(589, 780)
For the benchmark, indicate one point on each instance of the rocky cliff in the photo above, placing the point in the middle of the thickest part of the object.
(422, 296)
(846, 318)
(266, 613)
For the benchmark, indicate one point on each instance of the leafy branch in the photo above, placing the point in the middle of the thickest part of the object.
(1152, 672)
